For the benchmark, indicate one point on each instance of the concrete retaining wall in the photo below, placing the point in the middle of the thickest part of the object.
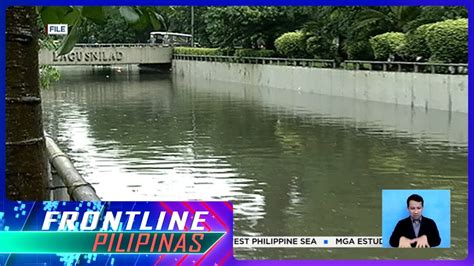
(430, 91)
(434, 126)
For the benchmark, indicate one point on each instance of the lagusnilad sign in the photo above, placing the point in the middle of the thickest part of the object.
(108, 54)
(89, 56)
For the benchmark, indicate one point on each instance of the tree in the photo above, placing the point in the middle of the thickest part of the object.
(116, 30)
(48, 74)
(291, 44)
(351, 27)
(333, 26)
(416, 45)
(430, 14)
(252, 26)
(386, 19)
(388, 44)
(404, 19)
(447, 41)
(140, 18)
(26, 162)
(178, 19)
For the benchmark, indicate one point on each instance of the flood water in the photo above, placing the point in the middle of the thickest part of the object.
(293, 164)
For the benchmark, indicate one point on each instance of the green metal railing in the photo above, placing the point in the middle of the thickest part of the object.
(417, 67)
(356, 65)
(322, 63)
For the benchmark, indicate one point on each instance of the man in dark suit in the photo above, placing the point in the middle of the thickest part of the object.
(416, 230)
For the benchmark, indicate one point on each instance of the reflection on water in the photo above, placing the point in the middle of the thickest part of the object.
(291, 163)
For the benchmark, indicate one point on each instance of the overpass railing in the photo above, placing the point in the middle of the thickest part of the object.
(108, 45)
(323, 63)
(417, 67)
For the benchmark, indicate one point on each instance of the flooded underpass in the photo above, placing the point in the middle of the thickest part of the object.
(292, 163)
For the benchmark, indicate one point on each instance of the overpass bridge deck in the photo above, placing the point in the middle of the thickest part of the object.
(109, 54)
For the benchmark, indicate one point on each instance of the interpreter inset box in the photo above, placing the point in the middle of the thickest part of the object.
(416, 218)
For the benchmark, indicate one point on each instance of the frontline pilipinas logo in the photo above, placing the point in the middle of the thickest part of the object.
(189, 231)
(90, 220)
(138, 242)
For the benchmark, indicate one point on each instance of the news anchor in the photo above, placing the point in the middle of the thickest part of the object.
(416, 230)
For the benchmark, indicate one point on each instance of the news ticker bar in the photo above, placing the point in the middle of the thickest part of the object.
(308, 242)
(162, 242)
(107, 242)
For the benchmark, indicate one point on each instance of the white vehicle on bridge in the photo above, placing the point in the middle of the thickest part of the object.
(166, 39)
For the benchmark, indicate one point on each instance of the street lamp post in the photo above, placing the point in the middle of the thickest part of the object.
(192, 26)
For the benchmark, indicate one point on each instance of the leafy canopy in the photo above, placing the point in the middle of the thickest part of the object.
(138, 17)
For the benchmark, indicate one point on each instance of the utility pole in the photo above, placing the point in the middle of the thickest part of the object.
(192, 26)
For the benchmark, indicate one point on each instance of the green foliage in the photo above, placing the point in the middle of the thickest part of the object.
(251, 26)
(59, 14)
(431, 14)
(71, 15)
(227, 51)
(388, 44)
(359, 50)
(148, 18)
(71, 39)
(178, 19)
(117, 30)
(48, 74)
(416, 44)
(254, 53)
(291, 44)
(320, 47)
(95, 14)
(129, 14)
(347, 28)
(386, 19)
(198, 51)
(354, 26)
(224, 52)
(338, 32)
(335, 26)
(447, 41)
(140, 18)
(48, 43)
